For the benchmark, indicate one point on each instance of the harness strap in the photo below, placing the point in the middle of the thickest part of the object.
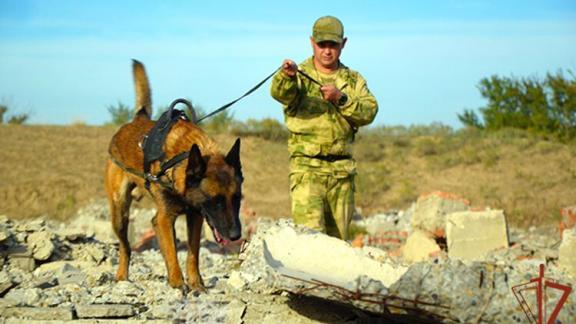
(145, 176)
(172, 163)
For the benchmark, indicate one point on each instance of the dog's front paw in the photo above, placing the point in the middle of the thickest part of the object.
(197, 287)
(121, 275)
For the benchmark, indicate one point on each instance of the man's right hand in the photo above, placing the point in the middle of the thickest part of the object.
(289, 68)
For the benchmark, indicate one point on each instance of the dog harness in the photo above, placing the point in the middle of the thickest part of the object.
(153, 142)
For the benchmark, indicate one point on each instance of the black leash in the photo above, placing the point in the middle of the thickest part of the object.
(304, 74)
(224, 107)
(238, 99)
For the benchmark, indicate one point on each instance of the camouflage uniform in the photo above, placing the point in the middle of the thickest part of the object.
(322, 169)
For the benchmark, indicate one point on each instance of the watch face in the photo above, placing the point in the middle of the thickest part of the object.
(342, 99)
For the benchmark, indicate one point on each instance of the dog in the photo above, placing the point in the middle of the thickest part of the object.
(205, 185)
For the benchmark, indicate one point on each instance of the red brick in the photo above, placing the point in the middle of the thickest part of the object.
(568, 218)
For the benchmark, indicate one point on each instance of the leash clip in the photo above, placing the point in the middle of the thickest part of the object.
(151, 177)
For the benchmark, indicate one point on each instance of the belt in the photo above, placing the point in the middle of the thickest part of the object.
(331, 157)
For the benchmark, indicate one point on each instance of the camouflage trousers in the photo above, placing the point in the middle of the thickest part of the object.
(323, 202)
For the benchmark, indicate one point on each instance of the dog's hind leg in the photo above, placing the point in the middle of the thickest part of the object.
(194, 228)
(163, 224)
(119, 191)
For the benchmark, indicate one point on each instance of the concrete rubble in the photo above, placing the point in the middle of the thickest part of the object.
(285, 273)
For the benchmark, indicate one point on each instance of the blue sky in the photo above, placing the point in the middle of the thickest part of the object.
(67, 61)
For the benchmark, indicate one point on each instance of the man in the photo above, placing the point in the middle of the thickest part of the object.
(324, 104)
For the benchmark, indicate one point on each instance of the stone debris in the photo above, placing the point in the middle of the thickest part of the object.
(419, 247)
(475, 292)
(472, 234)
(431, 210)
(38, 313)
(41, 245)
(285, 273)
(6, 282)
(105, 311)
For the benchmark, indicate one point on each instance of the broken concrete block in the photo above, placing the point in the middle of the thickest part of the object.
(70, 275)
(235, 281)
(567, 251)
(105, 311)
(419, 246)
(40, 243)
(19, 256)
(431, 210)
(6, 282)
(472, 234)
(38, 313)
(235, 312)
(4, 234)
(296, 251)
(23, 296)
(72, 234)
(25, 263)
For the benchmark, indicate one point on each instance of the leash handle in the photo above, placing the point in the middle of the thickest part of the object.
(238, 99)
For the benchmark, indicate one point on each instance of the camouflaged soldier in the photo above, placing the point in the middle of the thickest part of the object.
(322, 120)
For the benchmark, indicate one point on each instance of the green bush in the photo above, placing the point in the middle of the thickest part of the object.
(267, 128)
(545, 107)
(3, 110)
(17, 119)
(120, 113)
(220, 123)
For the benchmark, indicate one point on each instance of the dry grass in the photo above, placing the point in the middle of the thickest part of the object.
(528, 177)
(54, 170)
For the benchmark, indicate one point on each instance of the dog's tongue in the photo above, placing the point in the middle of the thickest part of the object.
(219, 238)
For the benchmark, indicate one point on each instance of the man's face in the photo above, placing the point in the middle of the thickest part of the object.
(327, 53)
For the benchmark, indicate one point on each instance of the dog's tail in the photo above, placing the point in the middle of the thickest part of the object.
(142, 88)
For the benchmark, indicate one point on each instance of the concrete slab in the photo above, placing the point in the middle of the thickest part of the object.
(312, 255)
(472, 234)
(567, 251)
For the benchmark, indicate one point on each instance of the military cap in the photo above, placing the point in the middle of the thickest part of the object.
(328, 28)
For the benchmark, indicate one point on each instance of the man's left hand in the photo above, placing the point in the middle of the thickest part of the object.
(331, 93)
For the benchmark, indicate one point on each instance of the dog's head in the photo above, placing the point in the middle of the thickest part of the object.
(214, 187)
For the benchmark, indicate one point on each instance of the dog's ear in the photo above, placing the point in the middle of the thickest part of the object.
(196, 165)
(233, 157)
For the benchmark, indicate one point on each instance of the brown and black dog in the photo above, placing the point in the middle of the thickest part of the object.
(206, 185)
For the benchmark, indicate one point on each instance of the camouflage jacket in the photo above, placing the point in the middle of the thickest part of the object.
(318, 127)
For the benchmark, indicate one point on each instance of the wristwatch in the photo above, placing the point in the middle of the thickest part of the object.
(343, 99)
